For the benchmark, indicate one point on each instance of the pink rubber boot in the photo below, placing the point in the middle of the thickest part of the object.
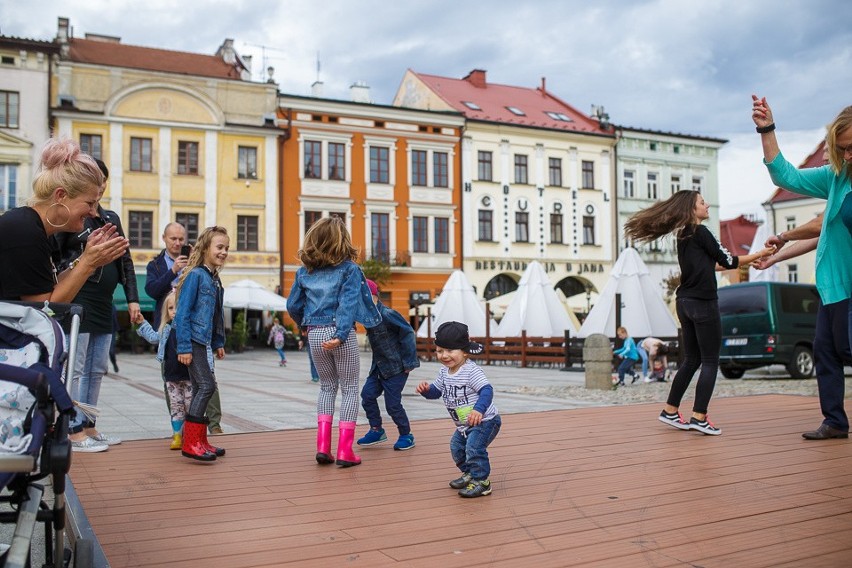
(345, 456)
(324, 439)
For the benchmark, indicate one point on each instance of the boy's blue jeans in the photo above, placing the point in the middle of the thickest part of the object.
(625, 366)
(470, 450)
(392, 389)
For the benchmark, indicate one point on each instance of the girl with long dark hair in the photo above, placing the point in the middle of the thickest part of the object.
(698, 253)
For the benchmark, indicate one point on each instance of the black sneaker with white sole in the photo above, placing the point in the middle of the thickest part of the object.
(704, 426)
(674, 419)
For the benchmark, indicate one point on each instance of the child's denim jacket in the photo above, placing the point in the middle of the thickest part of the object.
(393, 344)
(332, 295)
(199, 316)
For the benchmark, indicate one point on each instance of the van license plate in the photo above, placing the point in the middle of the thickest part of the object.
(736, 341)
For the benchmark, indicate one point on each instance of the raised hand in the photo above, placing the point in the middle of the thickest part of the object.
(761, 114)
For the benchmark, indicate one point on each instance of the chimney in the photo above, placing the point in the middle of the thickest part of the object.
(359, 92)
(226, 52)
(543, 86)
(62, 36)
(476, 78)
(316, 89)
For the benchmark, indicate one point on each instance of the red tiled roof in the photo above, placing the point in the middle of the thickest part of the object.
(150, 59)
(814, 160)
(736, 235)
(493, 101)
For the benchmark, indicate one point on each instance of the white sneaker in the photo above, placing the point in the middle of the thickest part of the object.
(649, 380)
(89, 445)
(108, 440)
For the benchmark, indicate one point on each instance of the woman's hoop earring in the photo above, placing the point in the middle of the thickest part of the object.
(51, 223)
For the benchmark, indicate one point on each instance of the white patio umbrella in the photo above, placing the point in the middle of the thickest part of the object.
(535, 308)
(457, 302)
(643, 310)
(249, 295)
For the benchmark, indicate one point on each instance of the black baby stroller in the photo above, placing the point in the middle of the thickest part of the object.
(35, 409)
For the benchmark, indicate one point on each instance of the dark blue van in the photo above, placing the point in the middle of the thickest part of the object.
(768, 323)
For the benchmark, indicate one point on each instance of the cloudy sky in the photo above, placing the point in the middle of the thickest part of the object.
(673, 65)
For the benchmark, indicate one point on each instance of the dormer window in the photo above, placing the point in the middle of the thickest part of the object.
(516, 111)
(558, 116)
(471, 105)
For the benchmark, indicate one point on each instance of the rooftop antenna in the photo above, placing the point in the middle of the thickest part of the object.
(318, 65)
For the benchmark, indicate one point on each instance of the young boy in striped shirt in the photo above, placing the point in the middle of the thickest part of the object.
(468, 395)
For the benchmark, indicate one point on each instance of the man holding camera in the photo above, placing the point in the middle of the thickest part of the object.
(162, 275)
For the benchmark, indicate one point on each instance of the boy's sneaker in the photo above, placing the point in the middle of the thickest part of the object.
(404, 443)
(648, 379)
(635, 378)
(373, 437)
(704, 426)
(476, 489)
(88, 445)
(461, 481)
(108, 440)
(674, 419)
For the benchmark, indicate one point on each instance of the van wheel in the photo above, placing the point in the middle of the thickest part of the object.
(732, 372)
(801, 366)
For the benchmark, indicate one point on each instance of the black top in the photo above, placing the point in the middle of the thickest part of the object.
(26, 268)
(698, 253)
(173, 370)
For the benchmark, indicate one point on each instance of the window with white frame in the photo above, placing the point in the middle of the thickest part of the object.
(92, 144)
(8, 186)
(555, 172)
(419, 234)
(247, 162)
(419, 171)
(440, 169)
(9, 109)
(521, 168)
(792, 273)
(522, 227)
(313, 159)
(485, 166)
(380, 236)
(140, 154)
(336, 161)
(653, 190)
(325, 157)
(697, 183)
(628, 181)
(431, 165)
(485, 230)
(588, 174)
(442, 235)
(379, 164)
(791, 222)
(675, 184)
(588, 230)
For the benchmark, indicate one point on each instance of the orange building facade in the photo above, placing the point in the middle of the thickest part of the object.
(392, 174)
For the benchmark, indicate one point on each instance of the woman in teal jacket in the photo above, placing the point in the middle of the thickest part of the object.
(833, 275)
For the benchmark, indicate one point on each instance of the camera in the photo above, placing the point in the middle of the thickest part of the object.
(185, 250)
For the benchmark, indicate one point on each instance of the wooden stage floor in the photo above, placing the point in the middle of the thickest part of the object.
(608, 486)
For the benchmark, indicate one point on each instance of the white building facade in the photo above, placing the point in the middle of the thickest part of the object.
(650, 167)
(24, 114)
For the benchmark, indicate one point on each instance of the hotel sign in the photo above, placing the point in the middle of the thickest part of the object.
(521, 265)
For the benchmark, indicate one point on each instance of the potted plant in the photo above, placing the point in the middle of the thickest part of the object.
(238, 335)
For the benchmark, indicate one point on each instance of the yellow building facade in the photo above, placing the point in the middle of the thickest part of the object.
(186, 137)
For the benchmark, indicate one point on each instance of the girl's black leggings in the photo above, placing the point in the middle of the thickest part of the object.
(702, 342)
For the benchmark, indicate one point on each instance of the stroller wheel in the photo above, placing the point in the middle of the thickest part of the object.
(84, 553)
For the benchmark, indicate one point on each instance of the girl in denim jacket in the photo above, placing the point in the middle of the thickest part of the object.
(328, 296)
(200, 327)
